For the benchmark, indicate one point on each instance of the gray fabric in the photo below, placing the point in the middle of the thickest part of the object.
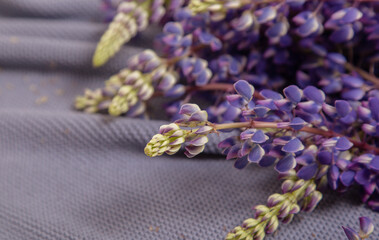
(69, 175)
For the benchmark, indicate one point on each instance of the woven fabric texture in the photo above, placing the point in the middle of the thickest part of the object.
(70, 175)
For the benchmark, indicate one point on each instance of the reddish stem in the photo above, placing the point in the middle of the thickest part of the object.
(312, 130)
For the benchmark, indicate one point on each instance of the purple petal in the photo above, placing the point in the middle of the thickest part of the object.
(203, 78)
(236, 100)
(246, 148)
(266, 14)
(309, 27)
(366, 227)
(241, 163)
(174, 28)
(373, 103)
(330, 85)
(176, 91)
(337, 58)
(369, 129)
(192, 150)
(269, 94)
(353, 94)
(351, 81)
(167, 82)
(256, 154)
(319, 50)
(284, 105)
(199, 141)
(342, 163)
(293, 93)
(374, 205)
(363, 177)
(244, 89)
(166, 128)
(343, 34)
(305, 159)
(261, 111)
(352, 14)
(349, 118)
(302, 17)
(343, 108)
(200, 116)
(310, 107)
(204, 130)
(347, 178)
(307, 172)
(267, 161)
(216, 44)
(259, 137)
(314, 94)
(228, 142)
(351, 234)
(233, 152)
(330, 110)
(374, 164)
(343, 144)
(315, 198)
(324, 157)
(286, 163)
(248, 133)
(244, 22)
(293, 146)
(297, 123)
(268, 103)
(186, 41)
(333, 175)
(277, 30)
(205, 37)
(231, 113)
(287, 186)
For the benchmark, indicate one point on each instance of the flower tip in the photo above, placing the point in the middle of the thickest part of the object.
(366, 227)
(147, 151)
(98, 61)
(351, 234)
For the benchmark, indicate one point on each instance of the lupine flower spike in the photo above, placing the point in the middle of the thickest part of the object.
(132, 16)
(288, 132)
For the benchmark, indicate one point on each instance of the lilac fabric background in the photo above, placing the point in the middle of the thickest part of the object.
(69, 175)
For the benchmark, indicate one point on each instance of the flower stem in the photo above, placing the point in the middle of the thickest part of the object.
(312, 130)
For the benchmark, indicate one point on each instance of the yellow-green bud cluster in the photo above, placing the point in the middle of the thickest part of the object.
(131, 17)
(171, 137)
(136, 87)
(92, 101)
(217, 8)
(127, 91)
(280, 207)
(168, 141)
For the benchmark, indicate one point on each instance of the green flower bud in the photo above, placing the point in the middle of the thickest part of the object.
(161, 143)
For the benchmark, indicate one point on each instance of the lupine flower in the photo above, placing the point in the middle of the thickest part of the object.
(280, 207)
(322, 130)
(127, 91)
(327, 160)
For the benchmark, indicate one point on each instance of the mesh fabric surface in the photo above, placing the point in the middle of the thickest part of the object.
(70, 175)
